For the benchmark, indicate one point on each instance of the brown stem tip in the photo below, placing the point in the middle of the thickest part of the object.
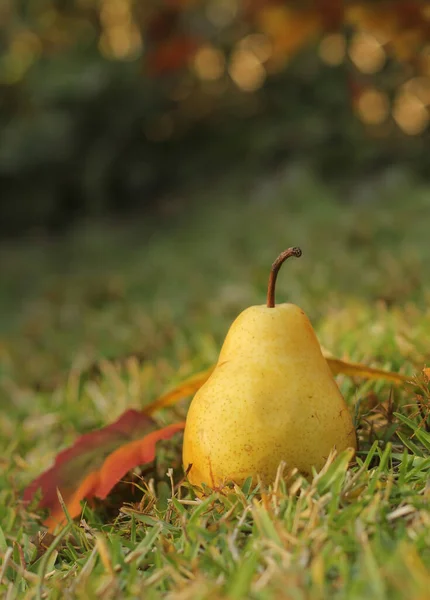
(274, 273)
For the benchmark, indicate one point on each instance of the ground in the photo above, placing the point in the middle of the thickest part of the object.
(111, 315)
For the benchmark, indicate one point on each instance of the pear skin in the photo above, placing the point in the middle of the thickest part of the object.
(271, 398)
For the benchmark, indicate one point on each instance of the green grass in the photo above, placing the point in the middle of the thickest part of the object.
(160, 299)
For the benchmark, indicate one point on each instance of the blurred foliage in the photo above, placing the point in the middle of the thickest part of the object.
(109, 104)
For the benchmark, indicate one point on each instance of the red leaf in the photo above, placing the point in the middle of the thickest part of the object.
(96, 462)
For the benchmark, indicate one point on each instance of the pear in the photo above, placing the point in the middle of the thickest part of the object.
(270, 398)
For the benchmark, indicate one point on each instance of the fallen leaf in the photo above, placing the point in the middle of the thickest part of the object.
(351, 369)
(186, 388)
(191, 385)
(96, 462)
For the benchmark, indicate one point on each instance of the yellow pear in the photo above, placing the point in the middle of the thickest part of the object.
(271, 398)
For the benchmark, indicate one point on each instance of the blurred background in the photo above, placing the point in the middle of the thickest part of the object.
(157, 155)
(112, 106)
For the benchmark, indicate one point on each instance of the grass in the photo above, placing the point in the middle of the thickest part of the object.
(161, 298)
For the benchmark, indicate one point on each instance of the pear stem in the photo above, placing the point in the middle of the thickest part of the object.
(274, 273)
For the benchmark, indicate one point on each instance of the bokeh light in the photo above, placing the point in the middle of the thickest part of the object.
(221, 12)
(139, 72)
(24, 50)
(121, 37)
(410, 113)
(373, 106)
(419, 87)
(332, 49)
(246, 70)
(259, 44)
(209, 63)
(367, 53)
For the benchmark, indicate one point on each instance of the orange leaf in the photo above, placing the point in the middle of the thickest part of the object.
(351, 369)
(96, 462)
(188, 387)
(191, 385)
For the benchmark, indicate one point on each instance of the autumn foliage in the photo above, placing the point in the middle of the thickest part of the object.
(238, 42)
(98, 460)
(174, 83)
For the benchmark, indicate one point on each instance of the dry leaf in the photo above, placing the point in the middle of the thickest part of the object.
(351, 369)
(96, 462)
(186, 388)
(191, 385)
